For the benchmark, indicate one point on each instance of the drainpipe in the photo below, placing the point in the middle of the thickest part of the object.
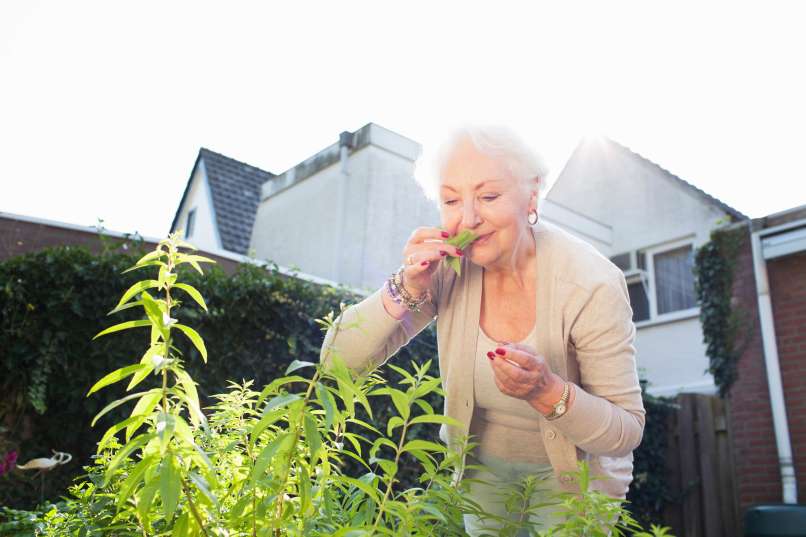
(790, 492)
(345, 143)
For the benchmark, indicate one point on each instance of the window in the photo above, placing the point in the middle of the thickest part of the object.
(674, 279)
(638, 300)
(660, 281)
(190, 223)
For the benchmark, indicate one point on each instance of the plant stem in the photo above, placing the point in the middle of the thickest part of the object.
(392, 477)
(193, 508)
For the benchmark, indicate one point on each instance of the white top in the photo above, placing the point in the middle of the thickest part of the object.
(497, 416)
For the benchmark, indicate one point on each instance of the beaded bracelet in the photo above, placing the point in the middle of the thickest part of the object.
(397, 292)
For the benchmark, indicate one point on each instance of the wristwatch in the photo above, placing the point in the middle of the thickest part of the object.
(561, 406)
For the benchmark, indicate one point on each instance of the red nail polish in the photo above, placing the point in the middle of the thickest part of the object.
(500, 351)
(490, 355)
(445, 234)
(459, 252)
(443, 253)
(424, 263)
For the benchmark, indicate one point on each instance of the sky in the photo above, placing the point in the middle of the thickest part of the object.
(104, 105)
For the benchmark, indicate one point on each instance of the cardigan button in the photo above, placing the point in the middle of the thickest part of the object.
(551, 435)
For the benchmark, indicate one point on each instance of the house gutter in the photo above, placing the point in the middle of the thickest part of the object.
(772, 363)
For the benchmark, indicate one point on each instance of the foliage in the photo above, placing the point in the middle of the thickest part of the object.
(725, 328)
(270, 462)
(649, 492)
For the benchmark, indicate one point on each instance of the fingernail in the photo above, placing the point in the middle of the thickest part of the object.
(459, 252)
(424, 263)
(445, 234)
(500, 351)
(443, 253)
(491, 355)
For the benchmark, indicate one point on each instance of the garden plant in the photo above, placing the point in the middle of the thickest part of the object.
(273, 460)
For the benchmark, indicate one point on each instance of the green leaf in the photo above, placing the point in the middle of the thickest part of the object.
(144, 265)
(150, 256)
(154, 312)
(325, 399)
(166, 424)
(436, 418)
(424, 445)
(146, 498)
(282, 440)
(135, 443)
(144, 407)
(461, 241)
(196, 295)
(370, 491)
(142, 374)
(136, 475)
(126, 306)
(115, 376)
(313, 438)
(137, 288)
(394, 423)
(170, 481)
(195, 338)
(190, 391)
(298, 364)
(119, 402)
(116, 429)
(123, 326)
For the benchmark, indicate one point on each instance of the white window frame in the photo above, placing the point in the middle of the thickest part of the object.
(654, 317)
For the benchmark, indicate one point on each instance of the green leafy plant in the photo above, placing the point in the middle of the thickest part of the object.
(270, 462)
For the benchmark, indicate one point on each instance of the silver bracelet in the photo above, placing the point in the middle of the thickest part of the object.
(398, 293)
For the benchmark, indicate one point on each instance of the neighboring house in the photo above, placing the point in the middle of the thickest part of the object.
(217, 210)
(345, 214)
(768, 400)
(657, 220)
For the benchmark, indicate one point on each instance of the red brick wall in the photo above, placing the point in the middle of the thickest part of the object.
(754, 449)
(788, 291)
(19, 236)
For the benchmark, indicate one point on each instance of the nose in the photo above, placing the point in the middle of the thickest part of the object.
(470, 216)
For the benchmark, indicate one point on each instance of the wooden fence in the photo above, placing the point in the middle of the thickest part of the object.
(700, 470)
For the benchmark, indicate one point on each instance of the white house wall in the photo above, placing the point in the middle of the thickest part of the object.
(204, 236)
(358, 244)
(644, 208)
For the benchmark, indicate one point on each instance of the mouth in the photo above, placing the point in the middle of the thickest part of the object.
(483, 238)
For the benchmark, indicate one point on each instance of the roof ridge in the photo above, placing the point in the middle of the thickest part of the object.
(222, 155)
(734, 212)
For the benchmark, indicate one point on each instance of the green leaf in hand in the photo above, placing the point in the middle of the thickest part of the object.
(461, 241)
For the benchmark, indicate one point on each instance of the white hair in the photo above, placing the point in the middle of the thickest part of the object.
(525, 165)
(495, 141)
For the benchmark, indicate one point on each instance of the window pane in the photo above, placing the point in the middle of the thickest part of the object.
(191, 221)
(674, 279)
(638, 301)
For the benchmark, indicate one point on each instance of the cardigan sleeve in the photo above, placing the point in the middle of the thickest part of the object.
(607, 416)
(368, 335)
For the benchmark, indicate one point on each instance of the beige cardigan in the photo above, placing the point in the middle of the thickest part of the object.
(584, 330)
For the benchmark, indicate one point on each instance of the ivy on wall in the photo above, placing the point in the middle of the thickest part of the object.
(724, 326)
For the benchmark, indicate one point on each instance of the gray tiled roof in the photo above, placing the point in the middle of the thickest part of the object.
(737, 215)
(235, 188)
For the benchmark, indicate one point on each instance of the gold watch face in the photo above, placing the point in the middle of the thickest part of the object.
(559, 409)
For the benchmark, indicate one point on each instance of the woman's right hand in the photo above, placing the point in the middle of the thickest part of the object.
(421, 255)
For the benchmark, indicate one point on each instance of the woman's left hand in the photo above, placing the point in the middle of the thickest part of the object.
(521, 373)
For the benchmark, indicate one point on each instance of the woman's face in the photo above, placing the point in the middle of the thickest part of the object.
(478, 193)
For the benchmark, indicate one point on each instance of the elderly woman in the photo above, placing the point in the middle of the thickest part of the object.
(535, 335)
